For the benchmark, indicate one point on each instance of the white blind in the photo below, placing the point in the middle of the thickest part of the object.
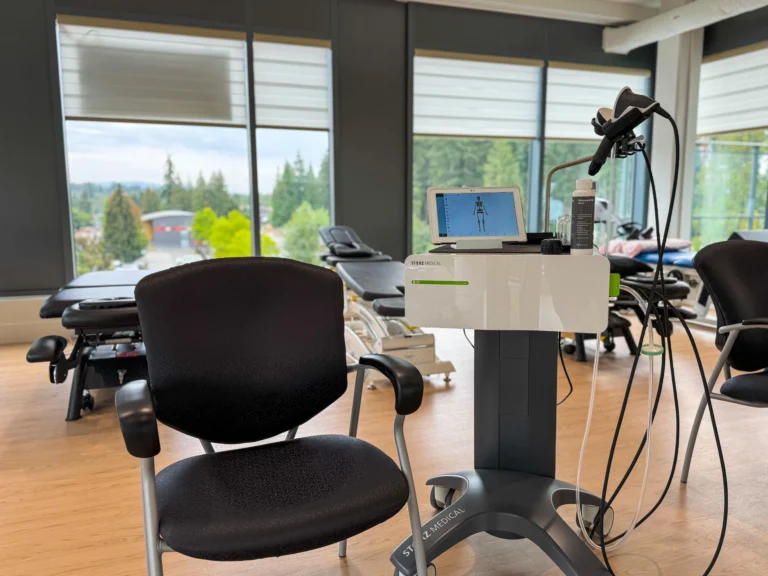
(470, 98)
(733, 93)
(292, 85)
(574, 96)
(149, 76)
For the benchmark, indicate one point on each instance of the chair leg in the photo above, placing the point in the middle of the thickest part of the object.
(76, 392)
(703, 404)
(581, 352)
(151, 520)
(630, 340)
(343, 549)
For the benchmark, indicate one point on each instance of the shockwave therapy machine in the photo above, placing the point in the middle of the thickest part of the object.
(518, 291)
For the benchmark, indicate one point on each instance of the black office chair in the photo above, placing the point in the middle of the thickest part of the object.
(735, 274)
(241, 350)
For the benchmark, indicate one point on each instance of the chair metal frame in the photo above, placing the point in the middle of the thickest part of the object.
(154, 545)
(733, 331)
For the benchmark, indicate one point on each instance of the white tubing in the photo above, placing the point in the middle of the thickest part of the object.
(580, 517)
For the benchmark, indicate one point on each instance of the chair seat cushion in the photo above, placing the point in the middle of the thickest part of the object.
(277, 499)
(747, 387)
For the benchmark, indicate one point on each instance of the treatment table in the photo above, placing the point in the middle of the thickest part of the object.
(108, 350)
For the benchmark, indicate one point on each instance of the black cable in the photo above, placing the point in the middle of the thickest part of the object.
(667, 341)
(666, 337)
(651, 298)
(562, 361)
(468, 340)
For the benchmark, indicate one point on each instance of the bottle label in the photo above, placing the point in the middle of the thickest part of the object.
(582, 222)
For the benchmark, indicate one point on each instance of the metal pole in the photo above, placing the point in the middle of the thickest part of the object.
(151, 520)
(549, 184)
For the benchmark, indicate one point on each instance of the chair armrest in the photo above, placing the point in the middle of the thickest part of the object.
(138, 423)
(753, 321)
(750, 324)
(405, 378)
(47, 349)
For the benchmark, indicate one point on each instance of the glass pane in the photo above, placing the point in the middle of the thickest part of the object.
(151, 196)
(730, 186)
(294, 191)
(622, 174)
(457, 162)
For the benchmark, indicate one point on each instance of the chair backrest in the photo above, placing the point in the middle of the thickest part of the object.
(735, 273)
(243, 349)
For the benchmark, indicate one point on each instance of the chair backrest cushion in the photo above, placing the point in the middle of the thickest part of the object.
(735, 274)
(243, 349)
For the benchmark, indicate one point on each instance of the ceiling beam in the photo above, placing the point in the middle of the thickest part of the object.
(592, 11)
(693, 16)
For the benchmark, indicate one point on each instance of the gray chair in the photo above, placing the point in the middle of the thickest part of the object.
(242, 350)
(735, 274)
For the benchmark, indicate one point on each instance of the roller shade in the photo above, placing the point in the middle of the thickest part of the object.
(460, 97)
(110, 73)
(292, 85)
(733, 93)
(573, 97)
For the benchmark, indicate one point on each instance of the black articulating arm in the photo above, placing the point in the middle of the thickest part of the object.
(136, 413)
(405, 377)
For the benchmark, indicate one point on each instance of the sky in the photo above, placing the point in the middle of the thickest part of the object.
(121, 152)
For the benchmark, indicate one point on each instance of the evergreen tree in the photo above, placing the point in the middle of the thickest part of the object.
(81, 219)
(284, 197)
(302, 241)
(199, 193)
(505, 166)
(217, 196)
(123, 238)
(84, 203)
(150, 201)
(169, 179)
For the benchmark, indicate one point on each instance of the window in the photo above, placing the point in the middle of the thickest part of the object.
(731, 168)
(474, 124)
(573, 98)
(293, 118)
(157, 149)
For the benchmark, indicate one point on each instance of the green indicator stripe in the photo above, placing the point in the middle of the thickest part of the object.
(442, 282)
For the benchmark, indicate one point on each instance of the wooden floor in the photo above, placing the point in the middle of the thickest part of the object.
(70, 497)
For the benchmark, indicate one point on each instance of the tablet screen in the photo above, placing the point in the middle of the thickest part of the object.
(476, 215)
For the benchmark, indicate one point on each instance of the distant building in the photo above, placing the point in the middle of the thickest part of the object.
(169, 228)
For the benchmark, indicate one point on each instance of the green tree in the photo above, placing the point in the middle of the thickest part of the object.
(284, 196)
(84, 202)
(230, 236)
(506, 164)
(301, 236)
(268, 246)
(202, 224)
(317, 191)
(169, 179)
(217, 196)
(81, 219)
(150, 201)
(90, 256)
(123, 238)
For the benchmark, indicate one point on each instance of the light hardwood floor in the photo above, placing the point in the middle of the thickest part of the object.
(70, 497)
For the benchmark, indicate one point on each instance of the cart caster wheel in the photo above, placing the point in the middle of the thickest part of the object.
(440, 497)
(589, 513)
(676, 274)
(89, 403)
(431, 571)
(447, 378)
(569, 348)
(610, 346)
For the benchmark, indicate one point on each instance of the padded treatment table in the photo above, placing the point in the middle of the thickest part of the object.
(374, 281)
(92, 286)
(681, 259)
(109, 350)
(333, 260)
